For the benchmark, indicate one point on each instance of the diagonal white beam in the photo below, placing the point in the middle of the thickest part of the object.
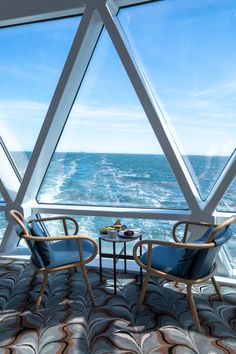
(221, 185)
(150, 106)
(71, 77)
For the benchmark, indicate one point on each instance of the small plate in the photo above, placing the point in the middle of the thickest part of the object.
(136, 232)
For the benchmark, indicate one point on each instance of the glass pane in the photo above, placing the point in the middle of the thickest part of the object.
(108, 154)
(230, 247)
(3, 225)
(228, 202)
(188, 51)
(91, 225)
(31, 60)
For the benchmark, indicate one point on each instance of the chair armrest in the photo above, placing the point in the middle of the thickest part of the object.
(151, 243)
(69, 237)
(62, 218)
(148, 268)
(186, 229)
(174, 244)
(219, 227)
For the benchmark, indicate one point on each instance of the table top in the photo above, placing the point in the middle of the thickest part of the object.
(115, 237)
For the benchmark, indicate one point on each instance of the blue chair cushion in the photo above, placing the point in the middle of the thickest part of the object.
(173, 260)
(44, 247)
(184, 266)
(188, 263)
(165, 258)
(35, 255)
(66, 252)
(223, 236)
(205, 260)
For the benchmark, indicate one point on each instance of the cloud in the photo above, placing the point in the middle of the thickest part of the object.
(83, 111)
(21, 120)
(211, 110)
(222, 89)
(37, 74)
(28, 110)
(20, 123)
(114, 129)
(113, 118)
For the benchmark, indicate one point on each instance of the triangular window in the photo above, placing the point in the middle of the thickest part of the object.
(108, 154)
(31, 61)
(188, 53)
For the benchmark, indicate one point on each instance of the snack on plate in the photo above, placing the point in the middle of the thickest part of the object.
(117, 225)
(128, 233)
(107, 229)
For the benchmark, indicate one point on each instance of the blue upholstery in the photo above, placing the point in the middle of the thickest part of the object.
(184, 267)
(44, 247)
(205, 259)
(164, 258)
(223, 236)
(56, 254)
(35, 255)
(188, 263)
(66, 252)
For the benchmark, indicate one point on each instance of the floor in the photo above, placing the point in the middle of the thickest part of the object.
(67, 323)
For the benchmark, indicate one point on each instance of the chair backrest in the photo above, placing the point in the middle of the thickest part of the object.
(36, 248)
(204, 259)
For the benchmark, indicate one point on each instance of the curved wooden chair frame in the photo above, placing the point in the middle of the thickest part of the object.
(18, 217)
(182, 243)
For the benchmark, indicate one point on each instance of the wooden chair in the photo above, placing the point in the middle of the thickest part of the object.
(47, 256)
(184, 262)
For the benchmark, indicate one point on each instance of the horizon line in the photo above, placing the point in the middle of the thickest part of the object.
(117, 153)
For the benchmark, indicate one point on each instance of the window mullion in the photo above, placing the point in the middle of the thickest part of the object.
(60, 106)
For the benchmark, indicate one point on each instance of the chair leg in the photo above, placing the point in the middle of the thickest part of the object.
(90, 291)
(193, 307)
(217, 288)
(41, 291)
(143, 291)
(33, 278)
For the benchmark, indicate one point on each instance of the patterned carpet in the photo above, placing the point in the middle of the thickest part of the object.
(67, 323)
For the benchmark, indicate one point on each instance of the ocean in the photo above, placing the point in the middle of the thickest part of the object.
(127, 180)
(124, 180)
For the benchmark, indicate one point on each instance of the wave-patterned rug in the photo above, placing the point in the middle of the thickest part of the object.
(67, 323)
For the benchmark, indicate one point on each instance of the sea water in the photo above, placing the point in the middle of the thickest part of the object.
(127, 180)
(124, 180)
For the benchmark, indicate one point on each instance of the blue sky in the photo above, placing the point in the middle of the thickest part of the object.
(187, 51)
(31, 60)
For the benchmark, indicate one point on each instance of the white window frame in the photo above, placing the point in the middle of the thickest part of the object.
(95, 14)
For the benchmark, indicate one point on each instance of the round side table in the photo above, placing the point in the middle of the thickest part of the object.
(114, 239)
